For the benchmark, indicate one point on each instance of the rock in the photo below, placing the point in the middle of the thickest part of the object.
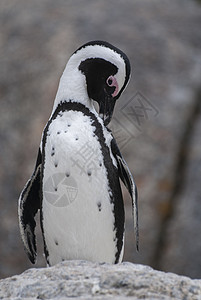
(86, 280)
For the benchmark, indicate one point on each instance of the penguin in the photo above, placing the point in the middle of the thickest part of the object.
(76, 181)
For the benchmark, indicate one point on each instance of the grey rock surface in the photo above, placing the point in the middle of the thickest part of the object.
(84, 280)
(162, 147)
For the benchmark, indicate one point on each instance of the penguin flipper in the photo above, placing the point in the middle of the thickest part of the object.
(129, 183)
(29, 204)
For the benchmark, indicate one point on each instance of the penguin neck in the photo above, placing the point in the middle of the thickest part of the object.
(73, 88)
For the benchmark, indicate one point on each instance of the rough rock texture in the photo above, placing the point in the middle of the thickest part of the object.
(86, 280)
(161, 144)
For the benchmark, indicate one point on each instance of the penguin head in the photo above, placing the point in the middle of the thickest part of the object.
(101, 72)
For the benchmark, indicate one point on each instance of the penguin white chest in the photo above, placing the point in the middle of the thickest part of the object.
(77, 213)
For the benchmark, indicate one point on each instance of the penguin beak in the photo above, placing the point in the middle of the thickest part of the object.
(106, 108)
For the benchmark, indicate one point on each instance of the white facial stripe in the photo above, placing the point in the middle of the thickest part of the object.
(97, 51)
(72, 83)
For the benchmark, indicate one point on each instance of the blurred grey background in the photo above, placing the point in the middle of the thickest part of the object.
(157, 121)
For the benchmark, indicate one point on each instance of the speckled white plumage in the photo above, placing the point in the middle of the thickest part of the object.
(78, 229)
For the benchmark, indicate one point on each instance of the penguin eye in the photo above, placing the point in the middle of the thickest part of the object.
(110, 81)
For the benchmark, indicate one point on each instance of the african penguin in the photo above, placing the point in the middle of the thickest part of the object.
(76, 181)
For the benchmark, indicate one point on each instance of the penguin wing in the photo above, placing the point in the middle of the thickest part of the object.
(29, 203)
(127, 178)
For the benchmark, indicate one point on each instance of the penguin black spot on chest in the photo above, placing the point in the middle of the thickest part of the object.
(89, 172)
(99, 206)
(53, 151)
